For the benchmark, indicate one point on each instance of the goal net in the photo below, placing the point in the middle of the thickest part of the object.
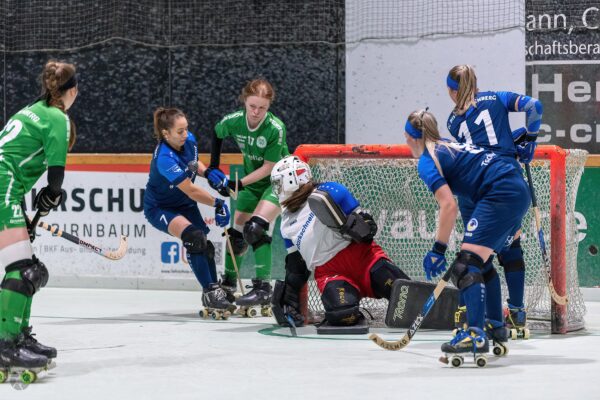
(385, 180)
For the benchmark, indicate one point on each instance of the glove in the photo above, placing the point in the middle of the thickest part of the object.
(434, 262)
(221, 213)
(216, 178)
(46, 200)
(525, 151)
(231, 185)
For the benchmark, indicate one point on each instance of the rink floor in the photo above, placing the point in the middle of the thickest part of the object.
(126, 344)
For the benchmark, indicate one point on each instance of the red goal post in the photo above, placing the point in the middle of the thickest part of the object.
(556, 175)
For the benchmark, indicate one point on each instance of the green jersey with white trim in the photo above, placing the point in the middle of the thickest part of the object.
(267, 142)
(35, 138)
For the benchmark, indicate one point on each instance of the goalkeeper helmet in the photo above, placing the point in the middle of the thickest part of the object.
(288, 175)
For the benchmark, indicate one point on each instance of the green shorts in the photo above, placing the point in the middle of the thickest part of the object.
(249, 197)
(11, 213)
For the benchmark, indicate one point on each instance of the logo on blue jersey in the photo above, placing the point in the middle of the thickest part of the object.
(509, 241)
(169, 252)
(488, 157)
(472, 225)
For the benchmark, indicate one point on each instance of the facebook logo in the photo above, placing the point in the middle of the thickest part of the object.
(169, 252)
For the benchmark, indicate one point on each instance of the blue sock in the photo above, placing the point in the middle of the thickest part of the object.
(201, 269)
(493, 293)
(474, 297)
(515, 281)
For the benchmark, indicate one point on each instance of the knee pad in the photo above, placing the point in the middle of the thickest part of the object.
(341, 301)
(488, 271)
(238, 244)
(34, 276)
(256, 232)
(194, 240)
(511, 258)
(383, 274)
(461, 276)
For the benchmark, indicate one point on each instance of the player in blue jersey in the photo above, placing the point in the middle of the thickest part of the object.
(171, 196)
(481, 118)
(500, 197)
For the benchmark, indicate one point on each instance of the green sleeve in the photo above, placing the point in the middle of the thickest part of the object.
(56, 142)
(221, 129)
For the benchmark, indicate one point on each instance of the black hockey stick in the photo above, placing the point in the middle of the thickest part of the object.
(414, 327)
(110, 254)
(562, 300)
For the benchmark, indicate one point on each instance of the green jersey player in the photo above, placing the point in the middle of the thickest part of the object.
(261, 137)
(34, 140)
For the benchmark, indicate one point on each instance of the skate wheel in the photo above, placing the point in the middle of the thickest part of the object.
(251, 313)
(514, 334)
(28, 377)
(526, 333)
(226, 314)
(456, 361)
(499, 350)
(3, 375)
(203, 313)
(266, 312)
(215, 315)
(481, 361)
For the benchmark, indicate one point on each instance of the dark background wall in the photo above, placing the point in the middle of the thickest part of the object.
(197, 56)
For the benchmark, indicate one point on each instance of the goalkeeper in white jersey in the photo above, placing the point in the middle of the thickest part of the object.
(327, 232)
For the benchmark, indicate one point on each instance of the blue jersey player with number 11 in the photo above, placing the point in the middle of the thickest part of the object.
(500, 198)
(481, 119)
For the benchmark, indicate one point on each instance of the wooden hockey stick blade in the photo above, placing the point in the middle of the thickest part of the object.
(110, 254)
(414, 327)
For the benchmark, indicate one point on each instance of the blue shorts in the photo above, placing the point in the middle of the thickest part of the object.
(160, 218)
(497, 216)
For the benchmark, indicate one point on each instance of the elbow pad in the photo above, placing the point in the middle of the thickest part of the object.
(534, 110)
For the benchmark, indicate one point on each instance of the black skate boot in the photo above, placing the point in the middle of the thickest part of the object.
(214, 300)
(17, 360)
(498, 334)
(229, 285)
(469, 340)
(516, 321)
(260, 295)
(27, 341)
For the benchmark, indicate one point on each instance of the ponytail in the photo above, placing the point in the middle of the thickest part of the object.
(465, 76)
(164, 119)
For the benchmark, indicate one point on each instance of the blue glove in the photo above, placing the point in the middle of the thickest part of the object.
(216, 178)
(221, 213)
(434, 262)
(525, 151)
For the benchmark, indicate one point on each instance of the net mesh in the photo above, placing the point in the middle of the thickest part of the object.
(406, 213)
(42, 25)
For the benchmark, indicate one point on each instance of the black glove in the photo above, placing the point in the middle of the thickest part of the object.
(231, 185)
(46, 200)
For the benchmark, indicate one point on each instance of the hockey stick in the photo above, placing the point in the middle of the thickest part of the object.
(237, 271)
(414, 327)
(562, 300)
(112, 255)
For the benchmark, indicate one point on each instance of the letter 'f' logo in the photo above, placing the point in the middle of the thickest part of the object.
(169, 252)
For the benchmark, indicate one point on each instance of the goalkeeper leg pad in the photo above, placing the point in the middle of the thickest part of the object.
(407, 300)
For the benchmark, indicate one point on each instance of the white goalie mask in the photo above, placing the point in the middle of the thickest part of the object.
(288, 175)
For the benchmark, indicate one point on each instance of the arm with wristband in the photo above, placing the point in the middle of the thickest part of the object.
(434, 262)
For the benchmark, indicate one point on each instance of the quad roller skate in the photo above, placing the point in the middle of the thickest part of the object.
(516, 321)
(498, 334)
(229, 285)
(259, 296)
(469, 340)
(27, 341)
(22, 363)
(214, 300)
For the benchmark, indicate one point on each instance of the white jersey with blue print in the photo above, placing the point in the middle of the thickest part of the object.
(470, 171)
(169, 167)
(487, 125)
(302, 231)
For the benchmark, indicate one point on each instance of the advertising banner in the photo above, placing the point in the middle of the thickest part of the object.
(563, 70)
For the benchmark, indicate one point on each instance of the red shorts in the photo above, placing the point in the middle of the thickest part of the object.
(353, 265)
